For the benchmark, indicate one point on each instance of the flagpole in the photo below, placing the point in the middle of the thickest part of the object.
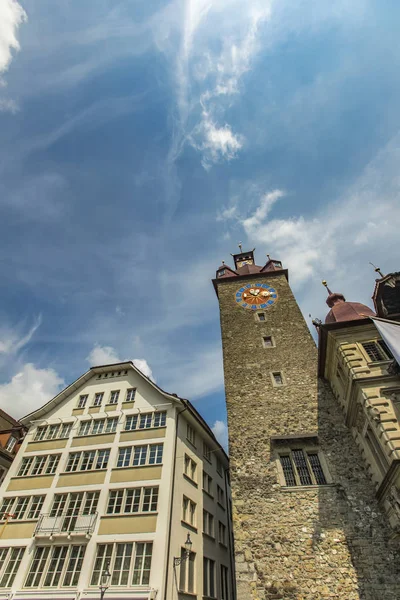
(380, 319)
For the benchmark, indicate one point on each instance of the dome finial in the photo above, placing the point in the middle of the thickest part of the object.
(377, 269)
(325, 284)
(240, 246)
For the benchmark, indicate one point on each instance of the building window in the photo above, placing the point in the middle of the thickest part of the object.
(207, 483)
(146, 421)
(187, 572)
(97, 426)
(129, 563)
(82, 401)
(91, 460)
(11, 443)
(10, 559)
(208, 577)
(53, 432)
(132, 500)
(224, 583)
(98, 399)
(221, 272)
(21, 507)
(39, 465)
(189, 511)
(72, 505)
(219, 467)
(208, 523)
(302, 468)
(137, 456)
(220, 496)
(221, 533)
(114, 397)
(207, 452)
(277, 378)
(130, 395)
(260, 316)
(190, 468)
(190, 434)
(268, 341)
(377, 351)
(55, 566)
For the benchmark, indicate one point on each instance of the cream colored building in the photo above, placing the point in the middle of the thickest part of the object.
(114, 472)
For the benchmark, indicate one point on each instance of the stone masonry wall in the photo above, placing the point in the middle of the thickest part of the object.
(306, 543)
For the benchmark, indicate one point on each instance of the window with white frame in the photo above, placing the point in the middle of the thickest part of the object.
(190, 434)
(10, 560)
(97, 426)
(189, 511)
(129, 563)
(132, 500)
(137, 456)
(73, 504)
(302, 467)
(209, 578)
(207, 483)
(221, 533)
(98, 399)
(130, 395)
(21, 507)
(190, 467)
(11, 443)
(90, 460)
(146, 420)
(53, 432)
(207, 452)
(39, 465)
(114, 397)
(82, 401)
(187, 572)
(377, 350)
(208, 523)
(220, 496)
(55, 566)
(224, 583)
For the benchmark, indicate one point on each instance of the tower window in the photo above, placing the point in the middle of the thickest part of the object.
(268, 341)
(377, 351)
(221, 272)
(301, 467)
(260, 316)
(277, 263)
(277, 378)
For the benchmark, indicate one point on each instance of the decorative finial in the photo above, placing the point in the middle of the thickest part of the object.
(269, 257)
(377, 269)
(240, 246)
(223, 262)
(325, 284)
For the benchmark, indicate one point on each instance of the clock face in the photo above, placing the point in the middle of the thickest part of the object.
(255, 296)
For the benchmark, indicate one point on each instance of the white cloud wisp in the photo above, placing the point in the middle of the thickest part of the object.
(107, 355)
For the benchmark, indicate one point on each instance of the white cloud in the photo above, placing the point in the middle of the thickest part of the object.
(220, 430)
(12, 15)
(107, 355)
(12, 340)
(103, 355)
(29, 389)
(219, 143)
(8, 105)
(267, 201)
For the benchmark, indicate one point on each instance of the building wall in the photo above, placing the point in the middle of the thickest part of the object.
(303, 542)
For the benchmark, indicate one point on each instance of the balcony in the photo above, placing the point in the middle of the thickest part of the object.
(65, 525)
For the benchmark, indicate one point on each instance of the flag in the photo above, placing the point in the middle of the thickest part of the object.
(390, 333)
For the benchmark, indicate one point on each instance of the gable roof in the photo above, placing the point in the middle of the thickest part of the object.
(61, 396)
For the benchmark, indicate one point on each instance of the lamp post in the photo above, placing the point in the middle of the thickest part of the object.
(188, 547)
(105, 580)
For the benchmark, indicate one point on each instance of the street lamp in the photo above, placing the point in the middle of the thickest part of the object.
(188, 548)
(105, 580)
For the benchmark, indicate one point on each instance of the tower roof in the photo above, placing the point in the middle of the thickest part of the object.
(386, 296)
(245, 265)
(342, 311)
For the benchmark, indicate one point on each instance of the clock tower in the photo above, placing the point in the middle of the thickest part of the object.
(302, 500)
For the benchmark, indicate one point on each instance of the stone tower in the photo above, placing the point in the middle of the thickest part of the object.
(307, 524)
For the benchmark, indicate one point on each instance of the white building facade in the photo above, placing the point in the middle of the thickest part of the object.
(112, 476)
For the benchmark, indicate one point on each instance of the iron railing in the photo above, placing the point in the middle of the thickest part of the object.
(79, 523)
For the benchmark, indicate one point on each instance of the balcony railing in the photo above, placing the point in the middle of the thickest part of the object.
(77, 524)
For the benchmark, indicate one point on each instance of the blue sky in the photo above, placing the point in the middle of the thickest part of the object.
(141, 141)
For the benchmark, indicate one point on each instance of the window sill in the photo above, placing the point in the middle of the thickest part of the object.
(223, 545)
(136, 466)
(134, 514)
(32, 476)
(189, 526)
(207, 459)
(208, 536)
(221, 506)
(144, 429)
(297, 488)
(208, 494)
(193, 446)
(19, 521)
(378, 363)
(191, 594)
(86, 435)
(86, 471)
(190, 480)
